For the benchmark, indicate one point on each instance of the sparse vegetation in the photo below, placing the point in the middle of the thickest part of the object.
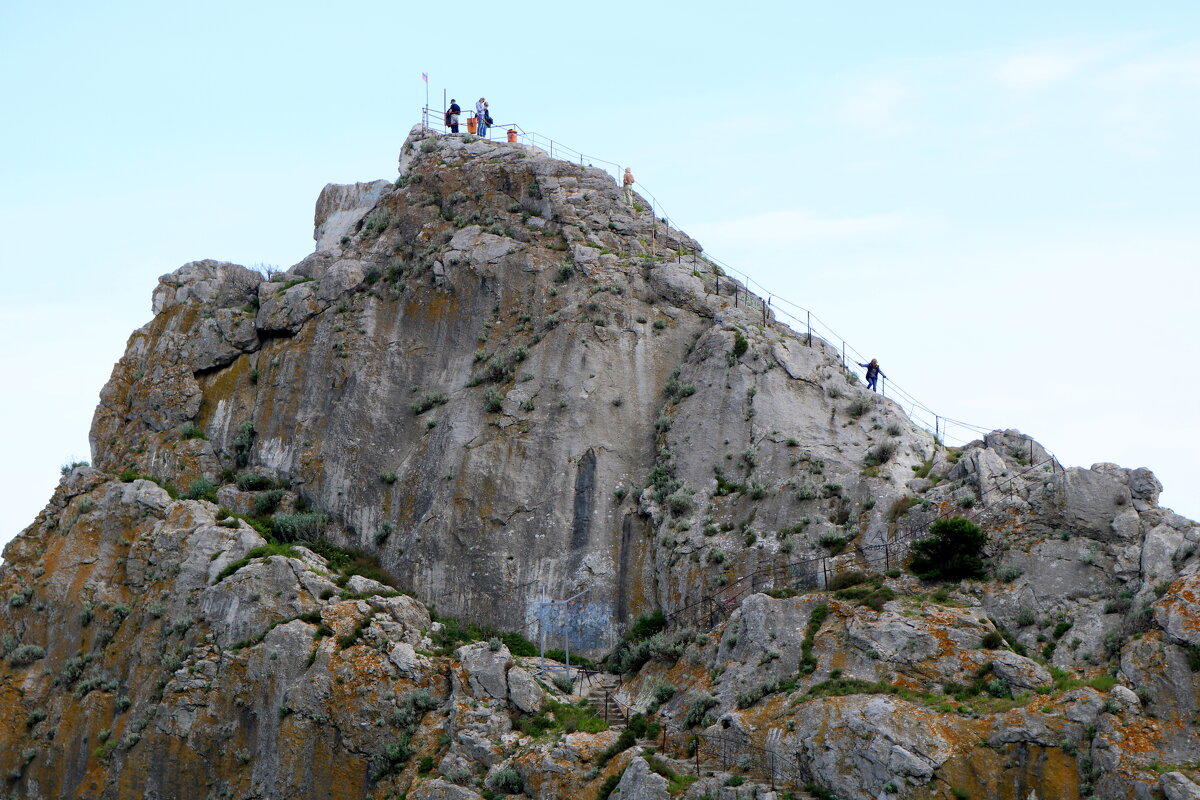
(428, 400)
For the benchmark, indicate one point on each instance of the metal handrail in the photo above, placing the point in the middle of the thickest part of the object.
(811, 322)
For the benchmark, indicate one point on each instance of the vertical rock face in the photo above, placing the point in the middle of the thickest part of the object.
(494, 367)
(495, 384)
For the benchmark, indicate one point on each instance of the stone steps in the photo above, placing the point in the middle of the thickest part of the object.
(600, 698)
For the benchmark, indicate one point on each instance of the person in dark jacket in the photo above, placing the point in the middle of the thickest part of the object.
(452, 115)
(873, 373)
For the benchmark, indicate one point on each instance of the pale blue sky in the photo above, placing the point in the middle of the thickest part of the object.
(999, 204)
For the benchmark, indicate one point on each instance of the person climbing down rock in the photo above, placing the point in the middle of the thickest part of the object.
(873, 373)
(452, 115)
(628, 181)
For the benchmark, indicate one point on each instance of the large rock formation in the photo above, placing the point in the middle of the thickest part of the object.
(496, 383)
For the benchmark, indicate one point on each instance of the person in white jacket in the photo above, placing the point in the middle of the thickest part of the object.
(481, 117)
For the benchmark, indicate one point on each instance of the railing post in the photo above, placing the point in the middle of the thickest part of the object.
(809, 313)
(606, 705)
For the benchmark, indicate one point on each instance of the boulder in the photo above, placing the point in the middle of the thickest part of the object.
(523, 691)
(641, 783)
(437, 789)
(1176, 786)
(486, 669)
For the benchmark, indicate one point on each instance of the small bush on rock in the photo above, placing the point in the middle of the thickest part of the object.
(951, 552)
(507, 781)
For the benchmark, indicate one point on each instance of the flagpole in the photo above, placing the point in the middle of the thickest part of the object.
(426, 74)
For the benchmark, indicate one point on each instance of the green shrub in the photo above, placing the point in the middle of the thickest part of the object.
(740, 346)
(428, 400)
(992, 640)
(808, 662)
(266, 502)
(698, 709)
(202, 489)
(580, 717)
(249, 482)
(493, 401)
(609, 786)
(666, 646)
(191, 430)
(951, 552)
(25, 655)
(846, 579)
(859, 406)
(877, 598)
(244, 443)
(626, 740)
(880, 454)
(301, 525)
(833, 543)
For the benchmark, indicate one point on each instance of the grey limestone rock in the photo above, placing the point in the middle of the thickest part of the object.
(340, 207)
(523, 691)
(442, 790)
(486, 669)
(641, 783)
(1176, 786)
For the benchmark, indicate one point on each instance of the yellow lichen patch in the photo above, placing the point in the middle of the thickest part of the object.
(1010, 772)
(342, 617)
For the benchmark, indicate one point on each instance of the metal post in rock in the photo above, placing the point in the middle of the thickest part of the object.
(809, 313)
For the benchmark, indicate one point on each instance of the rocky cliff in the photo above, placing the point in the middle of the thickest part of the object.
(495, 383)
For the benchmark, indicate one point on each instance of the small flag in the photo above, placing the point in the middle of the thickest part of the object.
(425, 77)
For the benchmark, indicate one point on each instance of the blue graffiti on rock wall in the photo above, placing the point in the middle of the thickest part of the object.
(588, 626)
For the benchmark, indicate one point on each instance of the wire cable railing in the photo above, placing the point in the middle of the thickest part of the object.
(750, 292)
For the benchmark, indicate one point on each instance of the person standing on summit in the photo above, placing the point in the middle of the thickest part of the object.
(452, 115)
(481, 117)
(628, 183)
(873, 373)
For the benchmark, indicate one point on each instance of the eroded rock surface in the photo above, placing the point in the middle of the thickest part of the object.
(496, 384)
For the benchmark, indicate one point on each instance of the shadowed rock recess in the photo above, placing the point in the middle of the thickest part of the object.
(493, 383)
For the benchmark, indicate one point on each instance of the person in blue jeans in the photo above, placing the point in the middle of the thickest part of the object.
(873, 373)
(481, 116)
